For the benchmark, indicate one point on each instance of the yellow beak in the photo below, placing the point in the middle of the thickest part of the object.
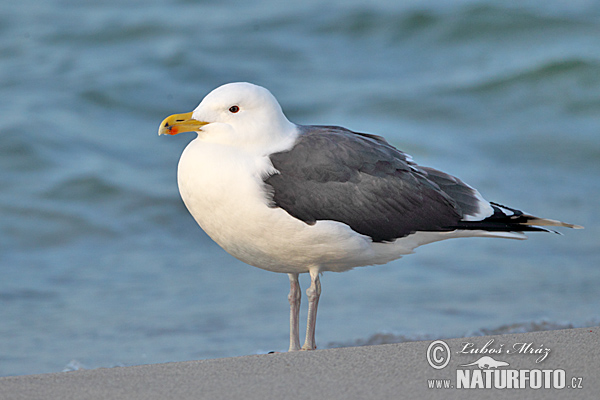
(178, 123)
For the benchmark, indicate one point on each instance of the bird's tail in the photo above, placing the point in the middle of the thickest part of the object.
(506, 219)
(520, 218)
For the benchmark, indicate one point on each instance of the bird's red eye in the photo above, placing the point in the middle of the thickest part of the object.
(234, 109)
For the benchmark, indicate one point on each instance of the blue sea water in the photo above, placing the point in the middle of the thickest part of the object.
(100, 263)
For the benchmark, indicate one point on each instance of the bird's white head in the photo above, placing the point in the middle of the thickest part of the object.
(237, 114)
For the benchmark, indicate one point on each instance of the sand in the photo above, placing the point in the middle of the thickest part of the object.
(392, 371)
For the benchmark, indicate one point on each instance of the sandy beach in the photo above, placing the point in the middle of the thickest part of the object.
(563, 363)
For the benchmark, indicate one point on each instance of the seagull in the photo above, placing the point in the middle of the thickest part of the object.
(299, 199)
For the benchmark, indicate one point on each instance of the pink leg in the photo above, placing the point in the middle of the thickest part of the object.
(294, 298)
(313, 293)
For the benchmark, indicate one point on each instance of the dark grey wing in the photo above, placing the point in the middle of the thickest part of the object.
(335, 174)
(467, 202)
